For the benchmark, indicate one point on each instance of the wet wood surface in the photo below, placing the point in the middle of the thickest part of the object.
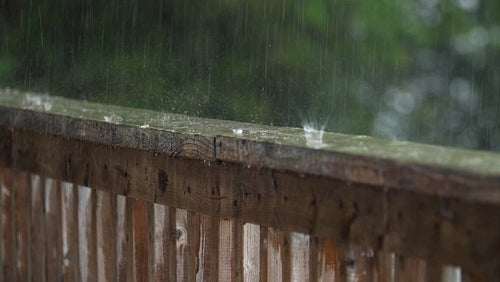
(457, 231)
(140, 241)
(214, 182)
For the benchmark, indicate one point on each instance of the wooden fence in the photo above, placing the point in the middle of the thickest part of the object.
(94, 192)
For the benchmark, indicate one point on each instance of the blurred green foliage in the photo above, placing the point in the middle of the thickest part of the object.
(421, 70)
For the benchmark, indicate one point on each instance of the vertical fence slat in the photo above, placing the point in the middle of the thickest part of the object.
(299, 246)
(275, 263)
(105, 236)
(450, 274)
(86, 243)
(22, 227)
(384, 267)
(225, 249)
(409, 269)
(313, 258)
(355, 263)
(69, 215)
(172, 255)
(52, 194)
(237, 252)
(184, 236)
(37, 229)
(139, 243)
(263, 254)
(207, 250)
(119, 209)
(53, 229)
(7, 236)
(327, 260)
(251, 249)
(193, 225)
(161, 243)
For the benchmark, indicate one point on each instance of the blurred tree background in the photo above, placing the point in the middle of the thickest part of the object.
(419, 70)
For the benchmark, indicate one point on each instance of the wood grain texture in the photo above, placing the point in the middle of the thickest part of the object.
(226, 251)
(299, 264)
(38, 262)
(7, 223)
(139, 235)
(53, 229)
(122, 239)
(278, 255)
(86, 232)
(161, 243)
(22, 196)
(105, 237)
(207, 247)
(251, 252)
(328, 264)
(409, 269)
(308, 204)
(337, 192)
(69, 218)
(263, 257)
(355, 263)
(425, 168)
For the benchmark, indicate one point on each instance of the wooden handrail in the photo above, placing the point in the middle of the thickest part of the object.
(436, 203)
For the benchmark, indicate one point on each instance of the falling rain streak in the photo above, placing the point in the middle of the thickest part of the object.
(420, 70)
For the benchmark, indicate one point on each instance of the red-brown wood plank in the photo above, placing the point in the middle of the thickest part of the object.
(7, 231)
(138, 262)
(383, 265)
(409, 269)
(327, 260)
(69, 215)
(22, 197)
(263, 254)
(38, 261)
(208, 249)
(119, 210)
(278, 255)
(105, 237)
(53, 247)
(226, 249)
(86, 241)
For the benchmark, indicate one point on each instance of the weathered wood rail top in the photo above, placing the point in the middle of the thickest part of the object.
(439, 204)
